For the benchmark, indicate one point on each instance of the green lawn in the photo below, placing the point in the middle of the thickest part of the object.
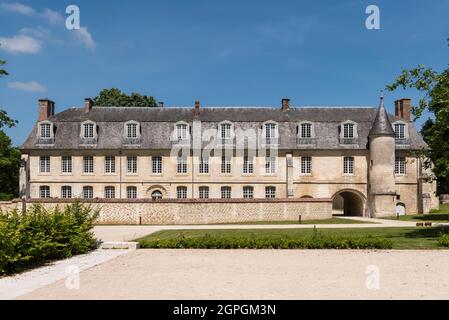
(333, 220)
(402, 238)
(441, 215)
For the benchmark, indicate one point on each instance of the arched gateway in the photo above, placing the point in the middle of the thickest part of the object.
(349, 203)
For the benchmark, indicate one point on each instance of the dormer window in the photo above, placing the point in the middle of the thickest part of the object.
(45, 130)
(305, 133)
(88, 130)
(270, 133)
(132, 132)
(88, 133)
(226, 133)
(348, 132)
(305, 130)
(45, 134)
(181, 131)
(401, 134)
(399, 130)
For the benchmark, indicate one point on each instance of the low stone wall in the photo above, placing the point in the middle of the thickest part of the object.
(444, 199)
(188, 211)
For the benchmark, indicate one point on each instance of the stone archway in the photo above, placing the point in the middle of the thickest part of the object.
(348, 203)
(156, 192)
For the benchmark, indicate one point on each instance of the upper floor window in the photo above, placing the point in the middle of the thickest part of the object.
(88, 130)
(45, 130)
(400, 130)
(248, 192)
(248, 164)
(226, 192)
(348, 130)
(270, 130)
(88, 164)
(270, 165)
(181, 131)
(156, 164)
(109, 164)
(270, 192)
(181, 192)
(44, 164)
(399, 165)
(181, 165)
(88, 192)
(204, 165)
(45, 134)
(44, 191)
(131, 164)
(305, 130)
(348, 165)
(306, 165)
(66, 164)
(132, 130)
(225, 164)
(131, 192)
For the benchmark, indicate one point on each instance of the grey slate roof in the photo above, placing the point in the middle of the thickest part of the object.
(381, 125)
(157, 125)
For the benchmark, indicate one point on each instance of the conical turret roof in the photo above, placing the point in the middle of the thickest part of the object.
(381, 125)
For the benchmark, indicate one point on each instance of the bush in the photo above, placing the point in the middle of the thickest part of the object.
(443, 240)
(38, 235)
(316, 241)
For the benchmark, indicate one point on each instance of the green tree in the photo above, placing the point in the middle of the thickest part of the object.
(435, 88)
(9, 156)
(115, 98)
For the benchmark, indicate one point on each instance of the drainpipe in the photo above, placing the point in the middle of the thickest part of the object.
(120, 172)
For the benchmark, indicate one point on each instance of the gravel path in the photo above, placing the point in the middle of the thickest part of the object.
(262, 274)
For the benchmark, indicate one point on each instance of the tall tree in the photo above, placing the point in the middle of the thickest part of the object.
(9, 156)
(115, 98)
(435, 87)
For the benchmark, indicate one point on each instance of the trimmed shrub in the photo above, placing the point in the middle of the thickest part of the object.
(38, 235)
(443, 240)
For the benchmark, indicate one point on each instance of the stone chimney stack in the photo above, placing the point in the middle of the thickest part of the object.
(46, 109)
(285, 104)
(161, 104)
(197, 105)
(402, 109)
(88, 105)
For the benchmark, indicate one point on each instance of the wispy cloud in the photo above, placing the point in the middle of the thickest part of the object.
(20, 44)
(31, 86)
(53, 17)
(17, 8)
(84, 37)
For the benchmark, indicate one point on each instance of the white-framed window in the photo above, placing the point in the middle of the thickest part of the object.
(66, 164)
(306, 165)
(66, 192)
(181, 131)
(203, 166)
(131, 192)
(348, 165)
(45, 130)
(248, 192)
(226, 192)
(156, 164)
(44, 164)
(204, 192)
(305, 130)
(399, 130)
(226, 131)
(181, 192)
(131, 164)
(348, 130)
(181, 165)
(88, 192)
(270, 130)
(248, 165)
(88, 130)
(399, 166)
(109, 192)
(44, 192)
(225, 164)
(270, 192)
(88, 164)
(109, 164)
(270, 165)
(132, 130)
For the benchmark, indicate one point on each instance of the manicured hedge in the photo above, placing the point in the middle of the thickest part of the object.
(443, 240)
(312, 242)
(38, 235)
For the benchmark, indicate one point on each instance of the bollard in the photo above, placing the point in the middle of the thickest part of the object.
(299, 219)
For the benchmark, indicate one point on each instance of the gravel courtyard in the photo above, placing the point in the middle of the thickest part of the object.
(262, 274)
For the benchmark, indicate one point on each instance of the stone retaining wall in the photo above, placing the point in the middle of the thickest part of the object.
(144, 211)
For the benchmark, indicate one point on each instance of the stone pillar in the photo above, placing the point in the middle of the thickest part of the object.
(289, 159)
(24, 189)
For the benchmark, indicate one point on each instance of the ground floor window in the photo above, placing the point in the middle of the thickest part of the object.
(270, 192)
(109, 192)
(131, 192)
(181, 192)
(88, 192)
(248, 192)
(226, 192)
(156, 194)
(66, 192)
(44, 191)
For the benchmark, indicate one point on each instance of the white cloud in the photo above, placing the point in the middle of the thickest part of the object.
(31, 86)
(39, 33)
(18, 8)
(20, 44)
(83, 36)
(53, 17)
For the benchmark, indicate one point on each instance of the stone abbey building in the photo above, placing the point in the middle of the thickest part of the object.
(261, 162)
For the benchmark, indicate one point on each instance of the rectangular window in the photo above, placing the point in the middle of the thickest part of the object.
(270, 131)
(88, 130)
(109, 192)
(109, 164)
(306, 165)
(270, 165)
(44, 192)
(226, 192)
(204, 192)
(248, 192)
(156, 164)
(88, 164)
(66, 192)
(399, 165)
(248, 165)
(204, 165)
(131, 129)
(181, 166)
(44, 164)
(88, 192)
(66, 164)
(399, 131)
(270, 192)
(225, 164)
(348, 130)
(45, 130)
(181, 131)
(306, 130)
(226, 131)
(348, 165)
(131, 164)
(131, 192)
(181, 192)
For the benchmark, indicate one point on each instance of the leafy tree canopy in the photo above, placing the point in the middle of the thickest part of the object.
(116, 98)
(435, 87)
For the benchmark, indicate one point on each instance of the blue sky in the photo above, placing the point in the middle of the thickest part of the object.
(251, 52)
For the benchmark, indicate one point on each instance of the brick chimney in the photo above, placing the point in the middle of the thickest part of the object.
(285, 104)
(88, 104)
(46, 109)
(402, 109)
(197, 105)
(161, 104)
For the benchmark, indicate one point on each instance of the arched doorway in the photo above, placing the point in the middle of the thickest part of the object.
(348, 203)
(400, 209)
(156, 192)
